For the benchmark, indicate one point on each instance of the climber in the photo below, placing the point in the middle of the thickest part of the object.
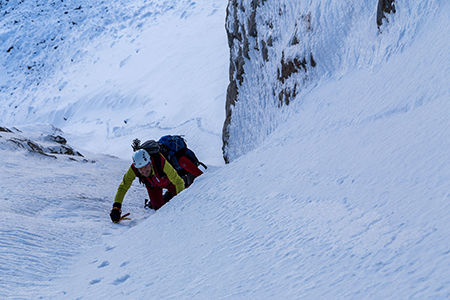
(156, 174)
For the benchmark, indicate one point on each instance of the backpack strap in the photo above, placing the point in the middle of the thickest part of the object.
(158, 163)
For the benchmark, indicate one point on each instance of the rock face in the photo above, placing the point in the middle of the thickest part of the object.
(253, 28)
(279, 47)
(384, 7)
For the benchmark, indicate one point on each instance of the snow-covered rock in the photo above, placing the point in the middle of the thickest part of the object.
(46, 143)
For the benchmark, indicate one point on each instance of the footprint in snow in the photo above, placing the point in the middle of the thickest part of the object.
(124, 264)
(94, 281)
(120, 280)
(104, 264)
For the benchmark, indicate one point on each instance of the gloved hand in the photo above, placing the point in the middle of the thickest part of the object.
(148, 204)
(167, 196)
(116, 212)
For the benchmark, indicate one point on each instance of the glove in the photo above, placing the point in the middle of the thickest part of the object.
(116, 212)
(148, 204)
(167, 196)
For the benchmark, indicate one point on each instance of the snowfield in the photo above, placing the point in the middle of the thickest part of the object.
(347, 197)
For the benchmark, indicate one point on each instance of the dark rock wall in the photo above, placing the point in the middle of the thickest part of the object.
(254, 39)
(276, 49)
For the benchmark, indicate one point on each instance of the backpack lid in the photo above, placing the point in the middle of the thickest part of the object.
(151, 146)
(173, 143)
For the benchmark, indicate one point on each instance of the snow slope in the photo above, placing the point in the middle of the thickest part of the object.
(117, 73)
(50, 210)
(347, 198)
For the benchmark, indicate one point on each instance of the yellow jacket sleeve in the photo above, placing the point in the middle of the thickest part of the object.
(127, 180)
(173, 177)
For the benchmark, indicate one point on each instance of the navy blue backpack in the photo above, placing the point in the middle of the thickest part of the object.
(173, 147)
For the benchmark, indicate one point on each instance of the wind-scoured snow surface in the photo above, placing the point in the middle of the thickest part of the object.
(347, 197)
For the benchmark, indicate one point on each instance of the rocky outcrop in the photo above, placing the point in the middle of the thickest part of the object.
(48, 145)
(384, 7)
(280, 75)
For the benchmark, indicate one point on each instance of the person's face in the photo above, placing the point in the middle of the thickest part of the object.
(146, 170)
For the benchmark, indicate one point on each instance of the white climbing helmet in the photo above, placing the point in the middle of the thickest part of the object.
(141, 158)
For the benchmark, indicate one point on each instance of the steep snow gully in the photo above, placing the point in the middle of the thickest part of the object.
(336, 133)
